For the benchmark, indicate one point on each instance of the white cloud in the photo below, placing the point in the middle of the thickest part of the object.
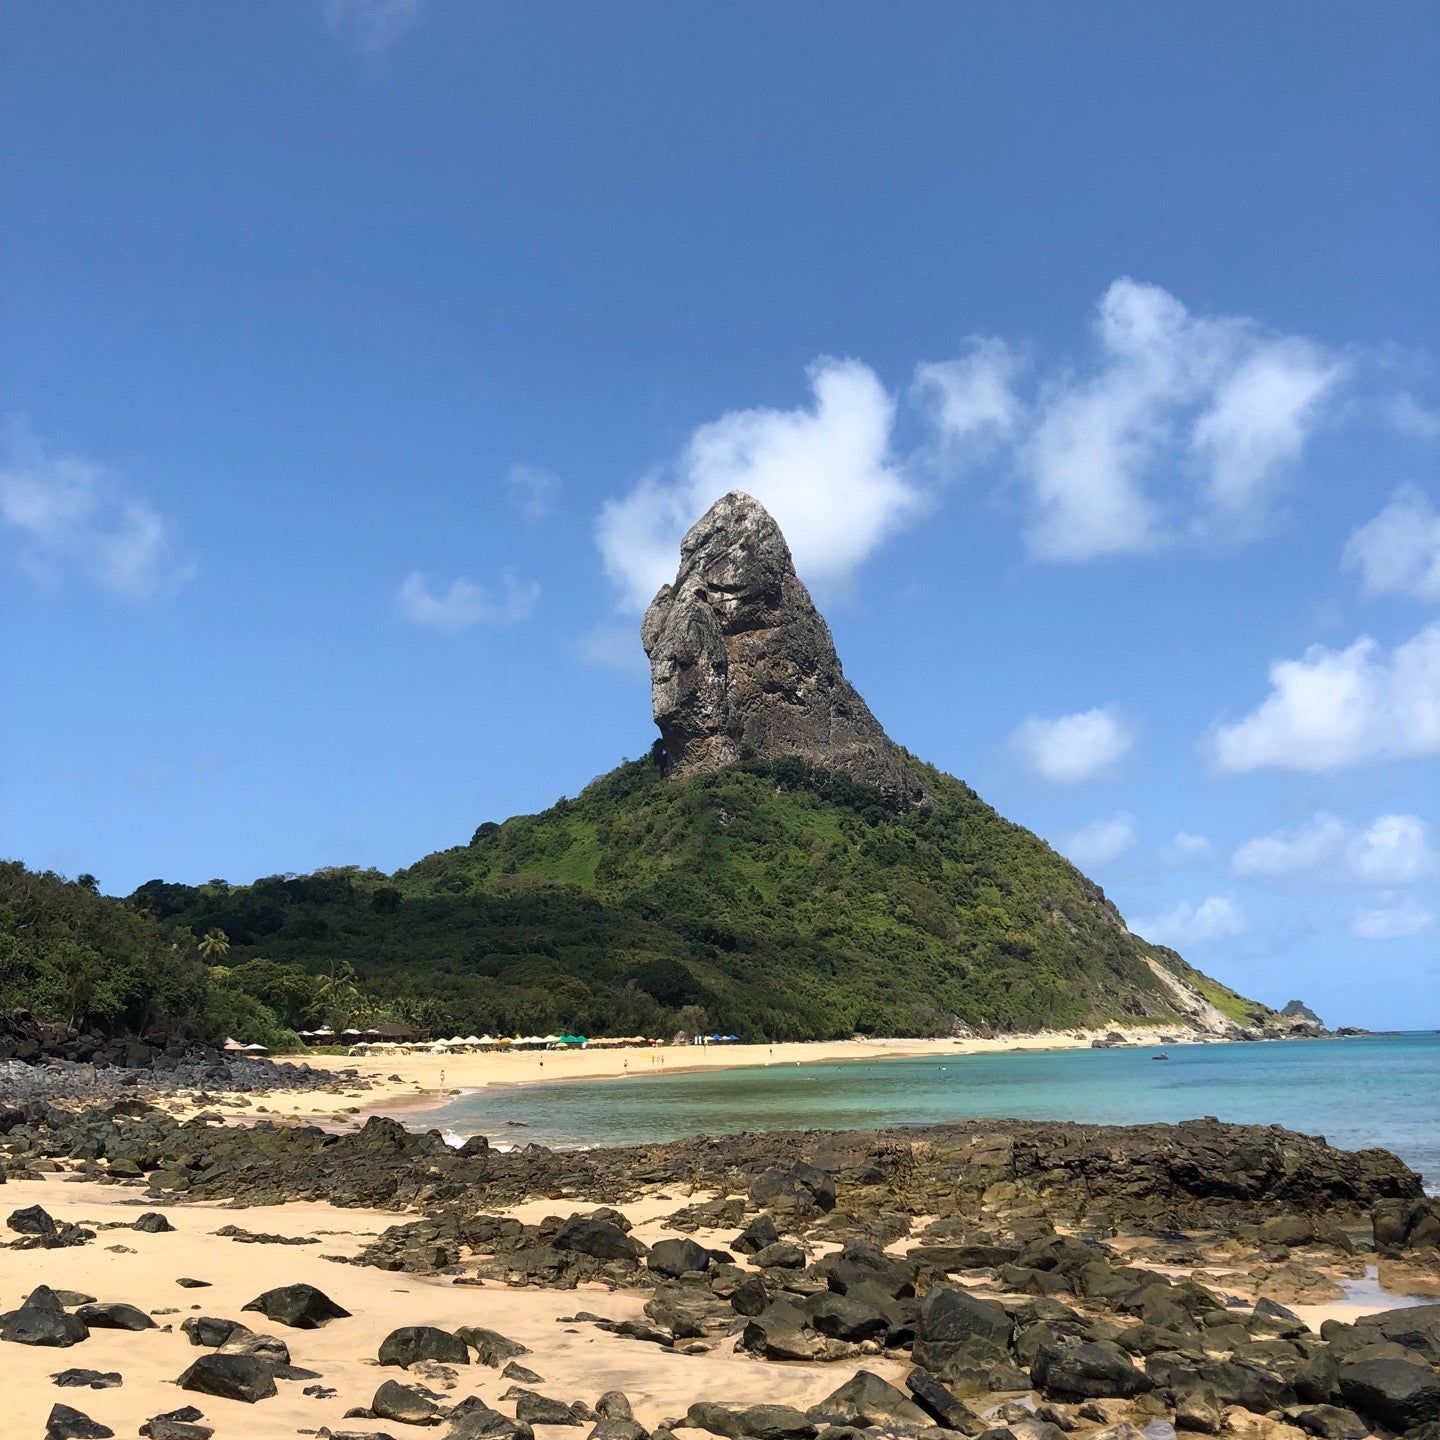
(1333, 708)
(1412, 418)
(371, 27)
(533, 491)
(1175, 429)
(824, 472)
(1072, 748)
(65, 512)
(1217, 918)
(1392, 850)
(1395, 850)
(1169, 399)
(1185, 849)
(463, 603)
(1398, 552)
(1261, 415)
(1397, 921)
(1292, 850)
(971, 398)
(1101, 841)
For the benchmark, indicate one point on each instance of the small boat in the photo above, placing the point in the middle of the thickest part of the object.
(1161, 1056)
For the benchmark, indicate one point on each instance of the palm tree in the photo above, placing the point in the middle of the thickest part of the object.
(338, 994)
(214, 944)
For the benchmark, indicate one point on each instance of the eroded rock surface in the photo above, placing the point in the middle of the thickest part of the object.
(742, 664)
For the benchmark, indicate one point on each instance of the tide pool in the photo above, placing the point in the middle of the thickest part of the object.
(1372, 1090)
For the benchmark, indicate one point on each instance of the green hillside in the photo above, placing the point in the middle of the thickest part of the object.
(779, 899)
(75, 957)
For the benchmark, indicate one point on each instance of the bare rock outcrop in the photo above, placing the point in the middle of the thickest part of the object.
(742, 664)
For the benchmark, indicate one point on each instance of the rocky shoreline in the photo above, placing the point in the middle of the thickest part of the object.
(218, 1079)
(1016, 1280)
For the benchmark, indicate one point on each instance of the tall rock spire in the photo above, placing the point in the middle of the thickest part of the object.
(742, 664)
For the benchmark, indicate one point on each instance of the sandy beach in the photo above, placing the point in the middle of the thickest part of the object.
(488, 1239)
(575, 1360)
(406, 1084)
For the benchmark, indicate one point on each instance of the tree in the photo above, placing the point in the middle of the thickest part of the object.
(80, 969)
(214, 945)
(339, 995)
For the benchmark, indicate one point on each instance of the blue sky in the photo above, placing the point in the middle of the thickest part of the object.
(363, 361)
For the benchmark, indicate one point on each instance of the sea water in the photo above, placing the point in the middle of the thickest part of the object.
(1381, 1090)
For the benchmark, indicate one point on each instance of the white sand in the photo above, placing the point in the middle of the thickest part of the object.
(578, 1362)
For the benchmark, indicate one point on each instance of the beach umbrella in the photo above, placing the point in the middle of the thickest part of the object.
(473, 1040)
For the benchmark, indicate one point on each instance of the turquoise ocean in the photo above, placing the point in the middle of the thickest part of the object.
(1381, 1090)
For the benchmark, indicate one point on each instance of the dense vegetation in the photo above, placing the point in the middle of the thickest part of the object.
(772, 899)
(76, 957)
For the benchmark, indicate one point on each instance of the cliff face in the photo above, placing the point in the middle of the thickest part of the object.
(742, 664)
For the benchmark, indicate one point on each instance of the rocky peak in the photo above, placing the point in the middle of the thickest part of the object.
(742, 664)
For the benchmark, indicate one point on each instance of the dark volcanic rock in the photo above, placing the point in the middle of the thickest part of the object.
(754, 1422)
(210, 1331)
(114, 1315)
(943, 1407)
(1398, 1393)
(422, 1342)
(1086, 1370)
(302, 1307)
(40, 1325)
(677, 1257)
(599, 1238)
(1329, 1422)
(490, 1346)
(162, 1427)
(79, 1379)
(952, 1325)
(799, 1183)
(536, 1409)
(394, 1401)
(65, 1423)
(1407, 1224)
(152, 1222)
(232, 1377)
(843, 1317)
(759, 1234)
(866, 1399)
(32, 1220)
(475, 1420)
(743, 665)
